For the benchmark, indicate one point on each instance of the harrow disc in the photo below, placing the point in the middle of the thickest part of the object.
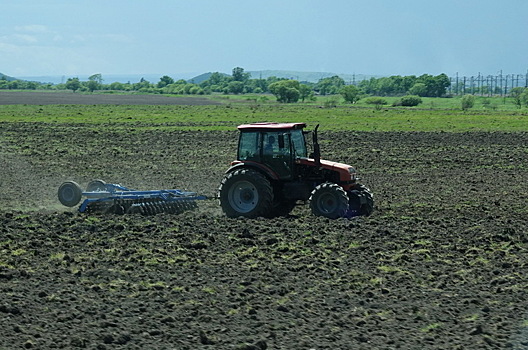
(142, 206)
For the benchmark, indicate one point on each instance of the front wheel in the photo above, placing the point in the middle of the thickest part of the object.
(361, 201)
(247, 193)
(329, 200)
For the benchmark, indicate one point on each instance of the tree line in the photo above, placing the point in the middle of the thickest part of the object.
(240, 82)
(410, 89)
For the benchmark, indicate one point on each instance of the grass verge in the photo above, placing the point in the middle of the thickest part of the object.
(226, 117)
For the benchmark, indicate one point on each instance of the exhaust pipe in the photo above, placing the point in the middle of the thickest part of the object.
(317, 149)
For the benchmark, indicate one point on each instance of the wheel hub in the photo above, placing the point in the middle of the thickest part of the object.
(243, 196)
(327, 203)
(68, 194)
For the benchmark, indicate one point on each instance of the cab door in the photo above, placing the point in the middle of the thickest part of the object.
(277, 153)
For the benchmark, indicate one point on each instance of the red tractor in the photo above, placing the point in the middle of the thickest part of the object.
(273, 171)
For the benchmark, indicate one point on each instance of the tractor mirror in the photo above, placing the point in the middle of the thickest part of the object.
(281, 141)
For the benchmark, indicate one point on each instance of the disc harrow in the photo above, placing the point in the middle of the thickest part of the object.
(118, 199)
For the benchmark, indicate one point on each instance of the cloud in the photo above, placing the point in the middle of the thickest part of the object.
(58, 48)
(32, 28)
(25, 38)
(6, 48)
(39, 50)
(65, 37)
(118, 38)
(32, 34)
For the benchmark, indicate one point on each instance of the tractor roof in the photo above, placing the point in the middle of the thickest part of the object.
(260, 126)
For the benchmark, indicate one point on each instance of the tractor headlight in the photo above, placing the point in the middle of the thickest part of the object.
(352, 173)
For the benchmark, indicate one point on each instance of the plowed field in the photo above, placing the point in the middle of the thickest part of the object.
(441, 264)
(68, 97)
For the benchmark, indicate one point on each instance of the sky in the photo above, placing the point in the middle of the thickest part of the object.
(170, 37)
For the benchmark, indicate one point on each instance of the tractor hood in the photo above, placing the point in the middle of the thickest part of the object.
(346, 172)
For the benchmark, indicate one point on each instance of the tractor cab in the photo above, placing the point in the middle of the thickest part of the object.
(276, 146)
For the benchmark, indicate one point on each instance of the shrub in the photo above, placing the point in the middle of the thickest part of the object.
(524, 97)
(375, 100)
(408, 101)
(331, 102)
(516, 93)
(468, 101)
(196, 90)
(419, 89)
(351, 93)
(286, 91)
(378, 102)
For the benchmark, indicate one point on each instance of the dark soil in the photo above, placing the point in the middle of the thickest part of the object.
(57, 98)
(441, 264)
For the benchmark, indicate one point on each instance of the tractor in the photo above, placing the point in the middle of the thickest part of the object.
(273, 172)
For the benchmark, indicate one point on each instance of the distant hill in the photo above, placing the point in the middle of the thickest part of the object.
(203, 77)
(107, 78)
(6, 77)
(311, 77)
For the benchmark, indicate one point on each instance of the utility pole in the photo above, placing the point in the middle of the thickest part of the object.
(456, 92)
(500, 77)
(479, 84)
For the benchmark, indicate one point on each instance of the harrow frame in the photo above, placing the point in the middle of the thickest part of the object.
(120, 199)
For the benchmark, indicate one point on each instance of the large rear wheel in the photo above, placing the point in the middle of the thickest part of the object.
(329, 200)
(247, 193)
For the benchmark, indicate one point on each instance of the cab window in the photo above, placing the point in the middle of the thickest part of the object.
(249, 146)
(299, 144)
(276, 144)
